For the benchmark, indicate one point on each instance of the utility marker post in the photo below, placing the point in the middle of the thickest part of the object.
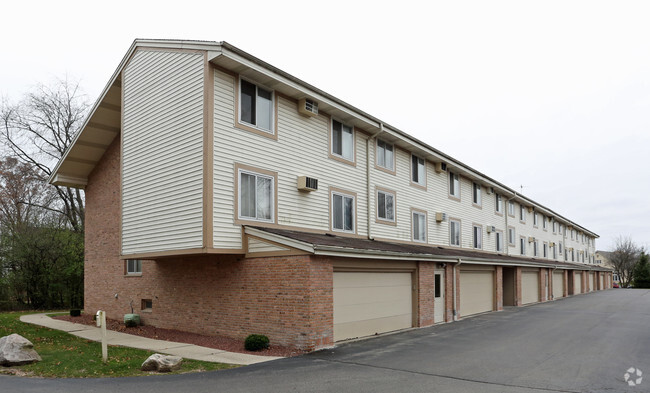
(101, 322)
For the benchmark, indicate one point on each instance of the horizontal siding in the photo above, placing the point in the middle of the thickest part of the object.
(162, 174)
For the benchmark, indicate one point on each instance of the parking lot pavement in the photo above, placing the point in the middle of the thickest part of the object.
(585, 343)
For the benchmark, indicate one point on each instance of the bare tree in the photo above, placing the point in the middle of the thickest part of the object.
(39, 129)
(624, 257)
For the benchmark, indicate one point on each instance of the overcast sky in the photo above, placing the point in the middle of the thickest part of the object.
(551, 95)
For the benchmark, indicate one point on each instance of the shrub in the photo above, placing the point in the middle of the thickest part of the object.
(75, 312)
(256, 342)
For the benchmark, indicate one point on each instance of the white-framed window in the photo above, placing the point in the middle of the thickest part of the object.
(511, 208)
(559, 246)
(573, 256)
(522, 245)
(385, 155)
(554, 227)
(454, 232)
(545, 250)
(535, 248)
(256, 196)
(554, 252)
(476, 194)
(535, 219)
(418, 174)
(477, 232)
(343, 212)
(134, 267)
(454, 185)
(498, 203)
(511, 236)
(255, 106)
(342, 141)
(522, 213)
(499, 241)
(419, 226)
(385, 206)
(544, 222)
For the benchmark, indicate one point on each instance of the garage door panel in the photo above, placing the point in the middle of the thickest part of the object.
(577, 286)
(476, 292)
(530, 287)
(366, 303)
(558, 285)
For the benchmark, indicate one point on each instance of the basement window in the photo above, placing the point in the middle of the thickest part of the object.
(146, 305)
(133, 267)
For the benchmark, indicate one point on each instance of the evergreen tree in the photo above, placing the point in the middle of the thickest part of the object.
(641, 273)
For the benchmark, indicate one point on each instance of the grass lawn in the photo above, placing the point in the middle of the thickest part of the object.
(68, 356)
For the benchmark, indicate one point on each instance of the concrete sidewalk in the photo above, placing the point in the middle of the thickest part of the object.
(188, 351)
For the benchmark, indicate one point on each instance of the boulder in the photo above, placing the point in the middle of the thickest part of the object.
(162, 363)
(16, 350)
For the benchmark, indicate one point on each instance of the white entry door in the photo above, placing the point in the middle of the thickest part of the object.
(439, 293)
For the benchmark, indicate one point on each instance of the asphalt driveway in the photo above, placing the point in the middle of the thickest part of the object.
(580, 344)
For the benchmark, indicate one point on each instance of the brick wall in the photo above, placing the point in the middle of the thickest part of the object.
(499, 288)
(426, 293)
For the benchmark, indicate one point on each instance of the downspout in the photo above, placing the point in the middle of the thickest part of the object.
(457, 264)
(368, 190)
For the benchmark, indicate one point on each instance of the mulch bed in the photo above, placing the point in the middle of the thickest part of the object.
(216, 342)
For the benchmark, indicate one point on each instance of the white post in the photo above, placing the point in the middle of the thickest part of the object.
(101, 321)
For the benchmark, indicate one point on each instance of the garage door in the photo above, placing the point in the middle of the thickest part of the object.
(558, 285)
(529, 287)
(601, 281)
(476, 291)
(577, 286)
(592, 282)
(367, 303)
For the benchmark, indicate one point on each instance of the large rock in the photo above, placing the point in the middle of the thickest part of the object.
(16, 350)
(162, 363)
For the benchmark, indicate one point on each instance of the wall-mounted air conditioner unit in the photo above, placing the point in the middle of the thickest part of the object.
(441, 217)
(307, 107)
(489, 190)
(530, 209)
(531, 239)
(441, 167)
(491, 228)
(551, 244)
(307, 183)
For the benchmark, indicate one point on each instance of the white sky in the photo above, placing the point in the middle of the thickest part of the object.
(551, 95)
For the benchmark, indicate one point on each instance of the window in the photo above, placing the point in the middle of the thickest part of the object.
(573, 256)
(554, 252)
(133, 267)
(535, 248)
(385, 206)
(342, 141)
(498, 201)
(535, 220)
(454, 185)
(256, 194)
(554, 227)
(256, 106)
(522, 245)
(559, 245)
(545, 251)
(418, 170)
(544, 222)
(437, 285)
(146, 304)
(454, 232)
(476, 194)
(499, 241)
(478, 236)
(385, 155)
(511, 208)
(419, 227)
(522, 213)
(342, 212)
(511, 236)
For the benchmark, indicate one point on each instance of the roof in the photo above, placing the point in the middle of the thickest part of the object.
(103, 123)
(328, 244)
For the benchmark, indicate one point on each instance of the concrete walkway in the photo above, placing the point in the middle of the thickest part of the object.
(188, 351)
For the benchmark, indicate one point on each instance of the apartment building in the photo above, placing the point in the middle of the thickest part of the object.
(225, 196)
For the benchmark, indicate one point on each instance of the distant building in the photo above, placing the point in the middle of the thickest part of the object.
(603, 259)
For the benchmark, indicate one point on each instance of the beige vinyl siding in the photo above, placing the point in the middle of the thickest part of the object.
(529, 286)
(301, 149)
(558, 285)
(162, 178)
(256, 245)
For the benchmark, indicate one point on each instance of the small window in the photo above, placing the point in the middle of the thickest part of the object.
(545, 255)
(146, 304)
(522, 213)
(133, 266)
(559, 245)
(522, 245)
(478, 236)
(256, 196)
(256, 106)
(437, 287)
(454, 185)
(511, 208)
(535, 248)
(419, 227)
(554, 252)
(342, 141)
(454, 232)
(544, 222)
(385, 155)
(511, 236)
(498, 201)
(418, 170)
(499, 241)
(342, 212)
(476, 194)
(535, 219)
(554, 227)
(385, 206)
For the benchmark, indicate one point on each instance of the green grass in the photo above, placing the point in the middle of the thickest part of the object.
(68, 356)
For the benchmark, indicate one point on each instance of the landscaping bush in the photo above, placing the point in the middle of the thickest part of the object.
(256, 342)
(75, 312)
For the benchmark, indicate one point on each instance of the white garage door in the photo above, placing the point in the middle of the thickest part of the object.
(601, 282)
(476, 292)
(592, 281)
(577, 286)
(558, 285)
(367, 303)
(529, 287)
